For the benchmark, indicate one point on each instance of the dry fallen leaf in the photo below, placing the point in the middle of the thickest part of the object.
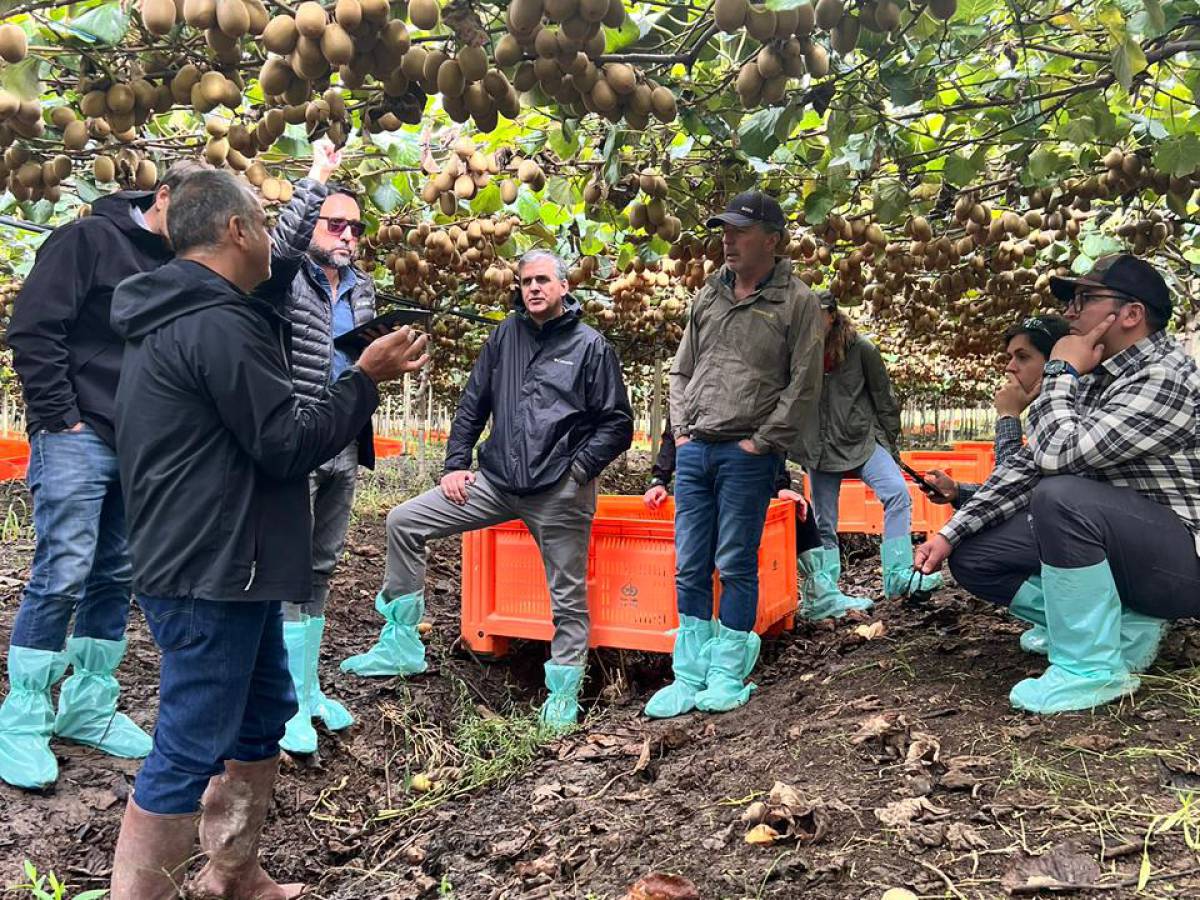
(963, 837)
(762, 834)
(657, 886)
(907, 811)
(957, 780)
(1062, 868)
(424, 628)
(898, 894)
(1095, 743)
(754, 813)
(870, 632)
(925, 748)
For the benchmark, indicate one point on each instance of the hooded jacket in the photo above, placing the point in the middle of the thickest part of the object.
(214, 446)
(858, 412)
(64, 349)
(555, 396)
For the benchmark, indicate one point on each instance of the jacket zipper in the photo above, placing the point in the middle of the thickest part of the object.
(253, 571)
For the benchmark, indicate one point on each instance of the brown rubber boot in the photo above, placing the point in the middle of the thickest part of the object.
(234, 809)
(153, 852)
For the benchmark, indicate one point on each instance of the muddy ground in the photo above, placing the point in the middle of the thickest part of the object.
(882, 756)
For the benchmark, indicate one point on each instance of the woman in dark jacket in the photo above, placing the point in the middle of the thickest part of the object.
(859, 436)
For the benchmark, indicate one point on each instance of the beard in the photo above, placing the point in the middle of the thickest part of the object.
(330, 259)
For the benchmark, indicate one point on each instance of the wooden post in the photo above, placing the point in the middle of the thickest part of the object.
(656, 413)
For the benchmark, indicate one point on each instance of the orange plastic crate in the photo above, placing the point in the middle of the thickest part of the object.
(985, 450)
(630, 579)
(14, 457)
(385, 447)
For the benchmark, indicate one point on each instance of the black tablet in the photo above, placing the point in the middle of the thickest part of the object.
(355, 341)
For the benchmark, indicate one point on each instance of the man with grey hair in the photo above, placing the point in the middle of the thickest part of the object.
(215, 450)
(552, 387)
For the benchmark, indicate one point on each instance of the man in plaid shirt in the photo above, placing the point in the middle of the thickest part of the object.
(1093, 529)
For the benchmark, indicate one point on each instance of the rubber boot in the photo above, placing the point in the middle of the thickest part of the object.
(1083, 618)
(1141, 636)
(899, 577)
(87, 704)
(153, 852)
(335, 716)
(27, 717)
(1029, 605)
(299, 736)
(235, 807)
(561, 710)
(689, 662)
(820, 597)
(732, 655)
(399, 650)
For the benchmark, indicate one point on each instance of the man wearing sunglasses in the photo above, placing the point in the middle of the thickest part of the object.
(1100, 512)
(315, 283)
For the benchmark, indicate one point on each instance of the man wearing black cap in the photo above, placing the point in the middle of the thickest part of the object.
(746, 376)
(68, 359)
(1103, 504)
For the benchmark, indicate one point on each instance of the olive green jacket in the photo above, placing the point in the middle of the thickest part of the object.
(750, 369)
(858, 411)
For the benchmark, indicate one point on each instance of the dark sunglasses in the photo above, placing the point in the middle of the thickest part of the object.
(338, 225)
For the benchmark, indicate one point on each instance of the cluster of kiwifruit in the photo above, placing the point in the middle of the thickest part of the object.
(466, 171)
(8, 297)
(19, 118)
(653, 215)
(425, 259)
(646, 302)
(30, 177)
(565, 39)
(692, 259)
(584, 271)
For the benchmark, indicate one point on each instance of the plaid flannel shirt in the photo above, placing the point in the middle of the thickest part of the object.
(1009, 440)
(1132, 422)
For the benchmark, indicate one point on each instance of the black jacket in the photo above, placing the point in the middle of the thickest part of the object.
(214, 446)
(555, 396)
(63, 347)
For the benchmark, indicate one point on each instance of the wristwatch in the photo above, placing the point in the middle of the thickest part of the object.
(1060, 367)
(656, 482)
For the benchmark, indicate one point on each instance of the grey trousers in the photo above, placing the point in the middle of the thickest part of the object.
(1073, 522)
(331, 493)
(560, 520)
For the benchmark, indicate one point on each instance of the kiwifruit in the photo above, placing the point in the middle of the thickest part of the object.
(433, 62)
(524, 78)
(259, 17)
(60, 116)
(119, 98)
(749, 80)
(310, 19)
(577, 30)
(844, 37)
(275, 76)
(760, 23)
(448, 203)
(337, 45)
(450, 80)
(508, 51)
(13, 43)
(769, 62)
(10, 103)
(829, 13)
(158, 16)
(424, 14)
(473, 62)
(637, 216)
(593, 10)
(603, 97)
(280, 35)
(496, 84)
(773, 89)
(524, 15)
(786, 21)
(233, 18)
(807, 19)
(145, 176)
(104, 168)
(887, 15)
(943, 9)
(545, 44)
(413, 63)
(375, 11)
(817, 61)
(663, 104)
(61, 165)
(200, 13)
(620, 77)
(528, 171)
(348, 14)
(615, 16)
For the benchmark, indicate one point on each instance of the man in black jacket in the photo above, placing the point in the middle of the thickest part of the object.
(553, 390)
(215, 450)
(68, 359)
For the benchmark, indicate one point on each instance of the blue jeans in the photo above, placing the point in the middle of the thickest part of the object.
(224, 693)
(721, 498)
(881, 475)
(81, 561)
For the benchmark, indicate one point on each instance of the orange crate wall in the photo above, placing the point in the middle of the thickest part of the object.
(631, 579)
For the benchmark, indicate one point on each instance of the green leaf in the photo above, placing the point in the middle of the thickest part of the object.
(817, 206)
(1178, 156)
(22, 79)
(619, 38)
(959, 170)
(1045, 164)
(104, 25)
(611, 154)
(1096, 245)
(488, 200)
(890, 201)
(563, 147)
(402, 147)
(87, 190)
(784, 4)
(529, 207)
(1155, 16)
(1127, 60)
(757, 132)
(1082, 264)
(383, 194)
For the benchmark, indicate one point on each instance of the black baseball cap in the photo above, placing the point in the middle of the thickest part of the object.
(751, 208)
(1120, 272)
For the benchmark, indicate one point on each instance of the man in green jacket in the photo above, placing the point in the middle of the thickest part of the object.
(746, 376)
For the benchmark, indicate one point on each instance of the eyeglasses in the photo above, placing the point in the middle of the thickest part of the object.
(1083, 298)
(337, 225)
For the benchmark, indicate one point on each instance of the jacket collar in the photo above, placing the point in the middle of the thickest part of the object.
(772, 286)
(1132, 359)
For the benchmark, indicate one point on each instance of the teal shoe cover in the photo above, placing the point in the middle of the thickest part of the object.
(689, 662)
(335, 716)
(87, 704)
(1141, 636)
(732, 655)
(299, 736)
(820, 597)
(560, 712)
(899, 577)
(1029, 605)
(1083, 619)
(399, 650)
(27, 717)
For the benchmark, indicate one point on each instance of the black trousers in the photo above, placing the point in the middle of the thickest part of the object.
(1074, 522)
